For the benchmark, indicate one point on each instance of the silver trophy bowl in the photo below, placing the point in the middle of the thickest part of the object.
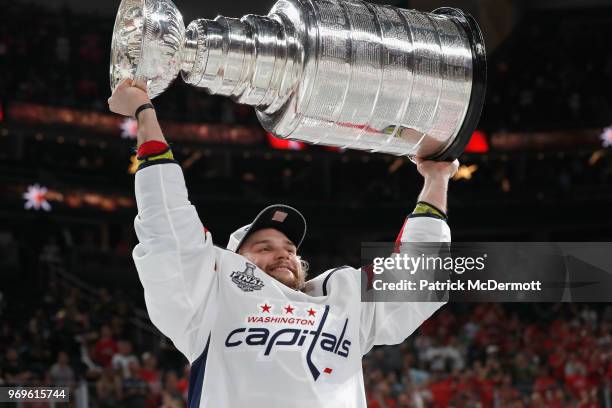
(333, 72)
(148, 38)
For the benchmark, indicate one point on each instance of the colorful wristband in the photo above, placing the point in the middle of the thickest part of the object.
(154, 152)
(424, 208)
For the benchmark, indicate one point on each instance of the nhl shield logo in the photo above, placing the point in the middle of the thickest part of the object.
(246, 280)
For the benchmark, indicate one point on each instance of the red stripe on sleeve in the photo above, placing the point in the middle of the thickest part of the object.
(399, 236)
(398, 240)
(369, 271)
(152, 147)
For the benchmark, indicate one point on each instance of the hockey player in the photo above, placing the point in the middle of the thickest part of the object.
(255, 332)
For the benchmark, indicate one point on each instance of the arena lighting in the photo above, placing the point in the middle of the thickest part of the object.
(505, 185)
(478, 143)
(111, 124)
(129, 128)
(133, 164)
(397, 163)
(35, 198)
(465, 172)
(596, 156)
(192, 159)
(606, 137)
(38, 197)
(334, 149)
(283, 144)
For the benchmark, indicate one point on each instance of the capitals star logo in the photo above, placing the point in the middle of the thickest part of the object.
(270, 332)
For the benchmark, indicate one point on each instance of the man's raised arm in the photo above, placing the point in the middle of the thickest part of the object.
(175, 257)
(130, 97)
(392, 322)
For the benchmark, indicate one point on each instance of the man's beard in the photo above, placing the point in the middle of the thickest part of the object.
(298, 277)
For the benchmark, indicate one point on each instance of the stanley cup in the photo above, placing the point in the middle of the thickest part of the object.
(332, 72)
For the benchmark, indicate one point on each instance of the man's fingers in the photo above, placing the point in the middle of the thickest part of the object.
(126, 83)
(140, 84)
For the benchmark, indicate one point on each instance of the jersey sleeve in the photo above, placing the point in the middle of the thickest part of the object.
(393, 322)
(175, 258)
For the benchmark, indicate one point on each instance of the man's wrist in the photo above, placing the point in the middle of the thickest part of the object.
(146, 115)
(148, 127)
(434, 192)
(437, 178)
(147, 106)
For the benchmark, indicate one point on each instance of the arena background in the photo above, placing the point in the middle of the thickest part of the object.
(539, 168)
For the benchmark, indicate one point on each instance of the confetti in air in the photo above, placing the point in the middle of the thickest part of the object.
(465, 172)
(129, 128)
(606, 137)
(35, 198)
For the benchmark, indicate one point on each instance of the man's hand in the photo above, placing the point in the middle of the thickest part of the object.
(430, 169)
(127, 97)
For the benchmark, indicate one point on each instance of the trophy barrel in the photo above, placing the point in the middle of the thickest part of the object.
(456, 145)
(334, 72)
(383, 79)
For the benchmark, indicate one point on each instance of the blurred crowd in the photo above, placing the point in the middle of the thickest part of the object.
(549, 72)
(89, 344)
(57, 332)
(63, 59)
(499, 355)
(98, 341)
(548, 85)
(466, 356)
(257, 173)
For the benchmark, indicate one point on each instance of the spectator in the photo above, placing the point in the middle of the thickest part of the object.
(506, 394)
(441, 357)
(108, 389)
(171, 396)
(417, 375)
(13, 368)
(381, 397)
(61, 373)
(152, 377)
(105, 347)
(123, 358)
(182, 385)
(133, 388)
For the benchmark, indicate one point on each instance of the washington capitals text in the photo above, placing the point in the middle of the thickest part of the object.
(261, 336)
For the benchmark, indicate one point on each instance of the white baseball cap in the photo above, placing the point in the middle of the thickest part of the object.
(281, 217)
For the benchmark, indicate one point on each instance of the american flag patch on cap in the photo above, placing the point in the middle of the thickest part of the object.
(279, 216)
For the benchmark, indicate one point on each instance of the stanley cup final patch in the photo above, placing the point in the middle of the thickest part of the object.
(246, 280)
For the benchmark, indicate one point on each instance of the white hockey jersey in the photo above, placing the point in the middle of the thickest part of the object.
(252, 341)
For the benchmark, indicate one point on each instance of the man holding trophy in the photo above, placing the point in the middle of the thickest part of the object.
(334, 72)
